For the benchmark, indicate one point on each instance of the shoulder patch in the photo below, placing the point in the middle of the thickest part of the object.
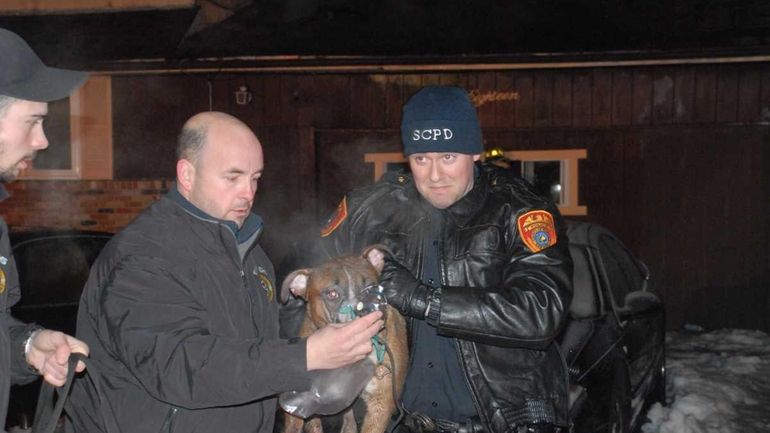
(336, 219)
(537, 230)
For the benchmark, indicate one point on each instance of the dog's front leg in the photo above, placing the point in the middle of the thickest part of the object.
(349, 422)
(379, 407)
(314, 425)
(292, 424)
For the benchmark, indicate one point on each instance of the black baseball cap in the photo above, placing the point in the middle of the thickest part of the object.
(24, 76)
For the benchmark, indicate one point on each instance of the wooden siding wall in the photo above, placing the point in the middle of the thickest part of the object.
(678, 157)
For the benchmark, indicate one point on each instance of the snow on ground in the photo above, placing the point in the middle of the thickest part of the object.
(717, 382)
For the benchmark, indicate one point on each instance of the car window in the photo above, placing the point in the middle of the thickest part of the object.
(622, 271)
(585, 302)
(54, 269)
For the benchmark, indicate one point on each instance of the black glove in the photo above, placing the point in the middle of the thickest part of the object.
(409, 295)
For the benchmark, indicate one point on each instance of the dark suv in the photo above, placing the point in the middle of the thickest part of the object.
(614, 342)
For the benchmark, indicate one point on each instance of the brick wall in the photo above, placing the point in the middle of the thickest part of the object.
(89, 205)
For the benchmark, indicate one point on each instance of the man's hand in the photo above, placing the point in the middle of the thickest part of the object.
(402, 290)
(48, 354)
(337, 345)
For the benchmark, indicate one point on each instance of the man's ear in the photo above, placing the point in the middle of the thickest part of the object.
(476, 157)
(185, 174)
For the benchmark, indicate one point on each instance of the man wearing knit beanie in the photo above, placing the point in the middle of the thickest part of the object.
(442, 139)
(480, 264)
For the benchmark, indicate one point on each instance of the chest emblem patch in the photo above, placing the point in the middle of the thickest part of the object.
(337, 219)
(537, 230)
(264, 281)
(2, 281)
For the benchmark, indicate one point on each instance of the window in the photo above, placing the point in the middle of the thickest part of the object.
(554, 173)
(623, 273)
(545, 176)
(385, 161)
(58, 156)
(79, 130)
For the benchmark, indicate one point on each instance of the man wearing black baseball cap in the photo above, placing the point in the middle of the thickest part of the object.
(480, 266)
(26, 87)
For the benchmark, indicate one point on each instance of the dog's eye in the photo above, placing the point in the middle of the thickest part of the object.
(332, 294)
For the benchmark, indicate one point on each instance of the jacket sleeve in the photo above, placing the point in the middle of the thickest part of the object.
(526, 309)
(159, 332)
(346, 230)
(17, 331)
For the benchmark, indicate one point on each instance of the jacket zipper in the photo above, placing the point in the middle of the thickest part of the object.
(248, 297)
(458, 350)
(168, 423)
(239, 264)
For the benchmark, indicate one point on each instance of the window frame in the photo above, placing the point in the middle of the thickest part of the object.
(90, 135)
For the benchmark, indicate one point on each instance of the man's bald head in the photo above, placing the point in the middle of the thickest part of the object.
(219, 166)
(195, 132)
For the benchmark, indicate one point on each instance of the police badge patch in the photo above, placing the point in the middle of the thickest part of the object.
(264, 281)
(3, 282)
(337, 219)
(537, 230)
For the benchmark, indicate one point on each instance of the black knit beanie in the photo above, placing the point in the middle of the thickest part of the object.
(441, 119)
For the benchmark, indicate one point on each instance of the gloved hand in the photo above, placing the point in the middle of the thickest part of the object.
(409, 295)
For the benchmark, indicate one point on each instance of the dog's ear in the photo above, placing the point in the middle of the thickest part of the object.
(296, 284)
(375, 255)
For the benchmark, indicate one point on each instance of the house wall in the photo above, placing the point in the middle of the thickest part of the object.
(677, 160)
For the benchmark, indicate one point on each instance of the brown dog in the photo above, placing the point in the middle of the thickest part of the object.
(332, 291)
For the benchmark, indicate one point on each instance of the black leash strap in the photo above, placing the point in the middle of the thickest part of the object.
(47, 413)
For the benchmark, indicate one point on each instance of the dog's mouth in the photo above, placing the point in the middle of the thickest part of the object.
(370, 299)
(345, 314)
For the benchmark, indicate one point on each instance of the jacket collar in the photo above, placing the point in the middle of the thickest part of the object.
(251, 229)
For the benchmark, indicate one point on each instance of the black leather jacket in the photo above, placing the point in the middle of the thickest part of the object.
(503, 303)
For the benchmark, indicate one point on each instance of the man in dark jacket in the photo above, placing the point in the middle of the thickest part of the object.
(180, 308)
(479, 263)
(26, 87)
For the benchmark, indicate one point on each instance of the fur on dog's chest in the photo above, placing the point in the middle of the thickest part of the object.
(332, 291)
